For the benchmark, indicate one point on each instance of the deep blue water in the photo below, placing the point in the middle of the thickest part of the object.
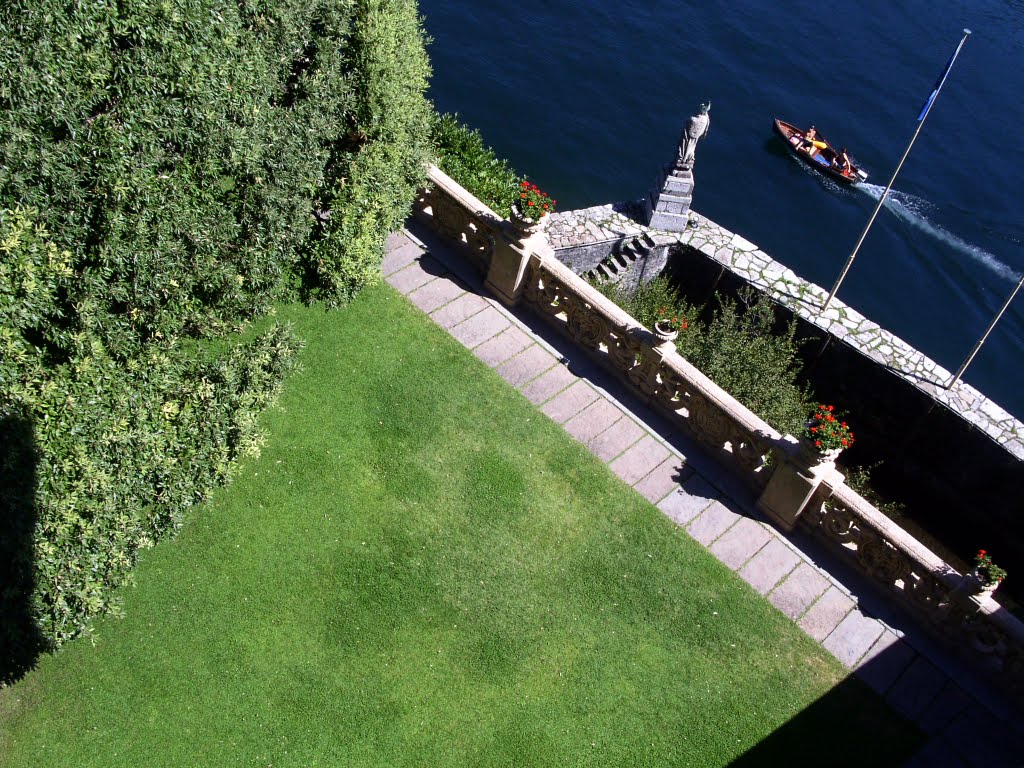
(587, 98)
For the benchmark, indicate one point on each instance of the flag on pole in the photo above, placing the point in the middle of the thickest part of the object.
(942, 79)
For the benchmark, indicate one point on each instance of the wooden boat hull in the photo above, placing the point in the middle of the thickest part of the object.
(822, 159)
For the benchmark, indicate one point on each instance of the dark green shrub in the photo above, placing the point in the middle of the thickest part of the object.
(167, 171)
(738, 350)
(381, 163)
(463, 155)
(118, 449)
(182, 152)
(760, 368)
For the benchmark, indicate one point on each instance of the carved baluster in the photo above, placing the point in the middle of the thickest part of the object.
(586, 327)
(623, 350)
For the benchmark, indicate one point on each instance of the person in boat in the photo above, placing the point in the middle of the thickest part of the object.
(842, 162)
(810, 142)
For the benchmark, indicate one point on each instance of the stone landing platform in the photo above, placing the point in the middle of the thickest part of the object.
(603, 223)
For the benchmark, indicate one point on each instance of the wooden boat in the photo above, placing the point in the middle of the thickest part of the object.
(818, 154)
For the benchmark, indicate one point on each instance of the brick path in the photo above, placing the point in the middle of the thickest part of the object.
(968, 724)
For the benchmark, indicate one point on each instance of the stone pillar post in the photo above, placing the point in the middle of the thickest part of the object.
(792, 485)
(667, 205)
(512, 250)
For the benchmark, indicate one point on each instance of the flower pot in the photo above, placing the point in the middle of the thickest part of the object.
(812, 455)
(978, 586)
(972, 591)
(524, 224)
(664, 331)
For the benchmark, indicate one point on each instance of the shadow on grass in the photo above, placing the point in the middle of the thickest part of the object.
(880, 736)
(851, 726)
(20, 641)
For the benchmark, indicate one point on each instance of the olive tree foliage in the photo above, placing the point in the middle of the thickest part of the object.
(168, 169)
(383, 155)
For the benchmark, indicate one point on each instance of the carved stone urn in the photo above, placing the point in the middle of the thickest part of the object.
(524, 225)
(974, 584)
(665, 332)
(812, 455)
(972, 592)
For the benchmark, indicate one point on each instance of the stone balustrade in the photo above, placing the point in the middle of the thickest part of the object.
(654, 369)
(520, 267)
(975, 626)
(465, 222)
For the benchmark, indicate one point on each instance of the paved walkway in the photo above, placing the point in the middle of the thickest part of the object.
(968, 724)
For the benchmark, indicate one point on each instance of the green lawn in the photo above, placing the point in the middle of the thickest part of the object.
(421, 569)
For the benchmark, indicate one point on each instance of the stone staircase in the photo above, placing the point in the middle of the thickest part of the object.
(616, 266)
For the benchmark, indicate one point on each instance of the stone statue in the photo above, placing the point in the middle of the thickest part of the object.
(696, 128)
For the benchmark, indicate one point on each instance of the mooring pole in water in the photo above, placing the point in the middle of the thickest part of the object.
(881, 201)
(970, 357)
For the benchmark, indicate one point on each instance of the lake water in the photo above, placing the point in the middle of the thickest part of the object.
(587, 98)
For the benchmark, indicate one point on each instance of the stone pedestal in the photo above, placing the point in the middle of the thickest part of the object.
(512, 250)
(667, 205)
(792, 485)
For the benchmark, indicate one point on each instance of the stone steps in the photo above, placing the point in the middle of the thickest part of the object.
(615, 266)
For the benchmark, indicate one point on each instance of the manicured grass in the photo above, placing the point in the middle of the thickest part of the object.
(421, 569)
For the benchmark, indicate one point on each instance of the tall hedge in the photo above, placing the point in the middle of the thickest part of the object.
(167, 171)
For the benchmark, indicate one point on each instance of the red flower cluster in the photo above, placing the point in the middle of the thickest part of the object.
(672, 320)
(986, 570)
(828, 432)
(532, 201)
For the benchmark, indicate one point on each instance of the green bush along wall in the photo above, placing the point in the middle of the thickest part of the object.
(167, 171)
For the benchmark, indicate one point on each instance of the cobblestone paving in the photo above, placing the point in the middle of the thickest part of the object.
(615, 221)
(967, 724)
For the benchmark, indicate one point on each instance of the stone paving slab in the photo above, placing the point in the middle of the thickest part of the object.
(885, 661)
(549, 384)
(616, 439)
(570, 402)
(950, 702)
(684, 504)
(768, 567)
(420, 272)
(437, 293)
(401, 256)
(854, 637)
(937, 753)
(459, 310)
(505, 345)
(712, 523)
(916, 688)
(981, 742)
(639, 460)
(740, 543)
(593, 420)
(826, 614)
(799, 591)
(526, 366)
(477, 329)
(663, 479)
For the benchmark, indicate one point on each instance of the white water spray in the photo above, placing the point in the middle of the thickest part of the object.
(911, 210)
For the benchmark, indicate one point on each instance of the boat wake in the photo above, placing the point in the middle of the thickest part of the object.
(913, 210)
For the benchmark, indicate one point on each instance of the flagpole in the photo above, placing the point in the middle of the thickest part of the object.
(970, 357)
(881, 201)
